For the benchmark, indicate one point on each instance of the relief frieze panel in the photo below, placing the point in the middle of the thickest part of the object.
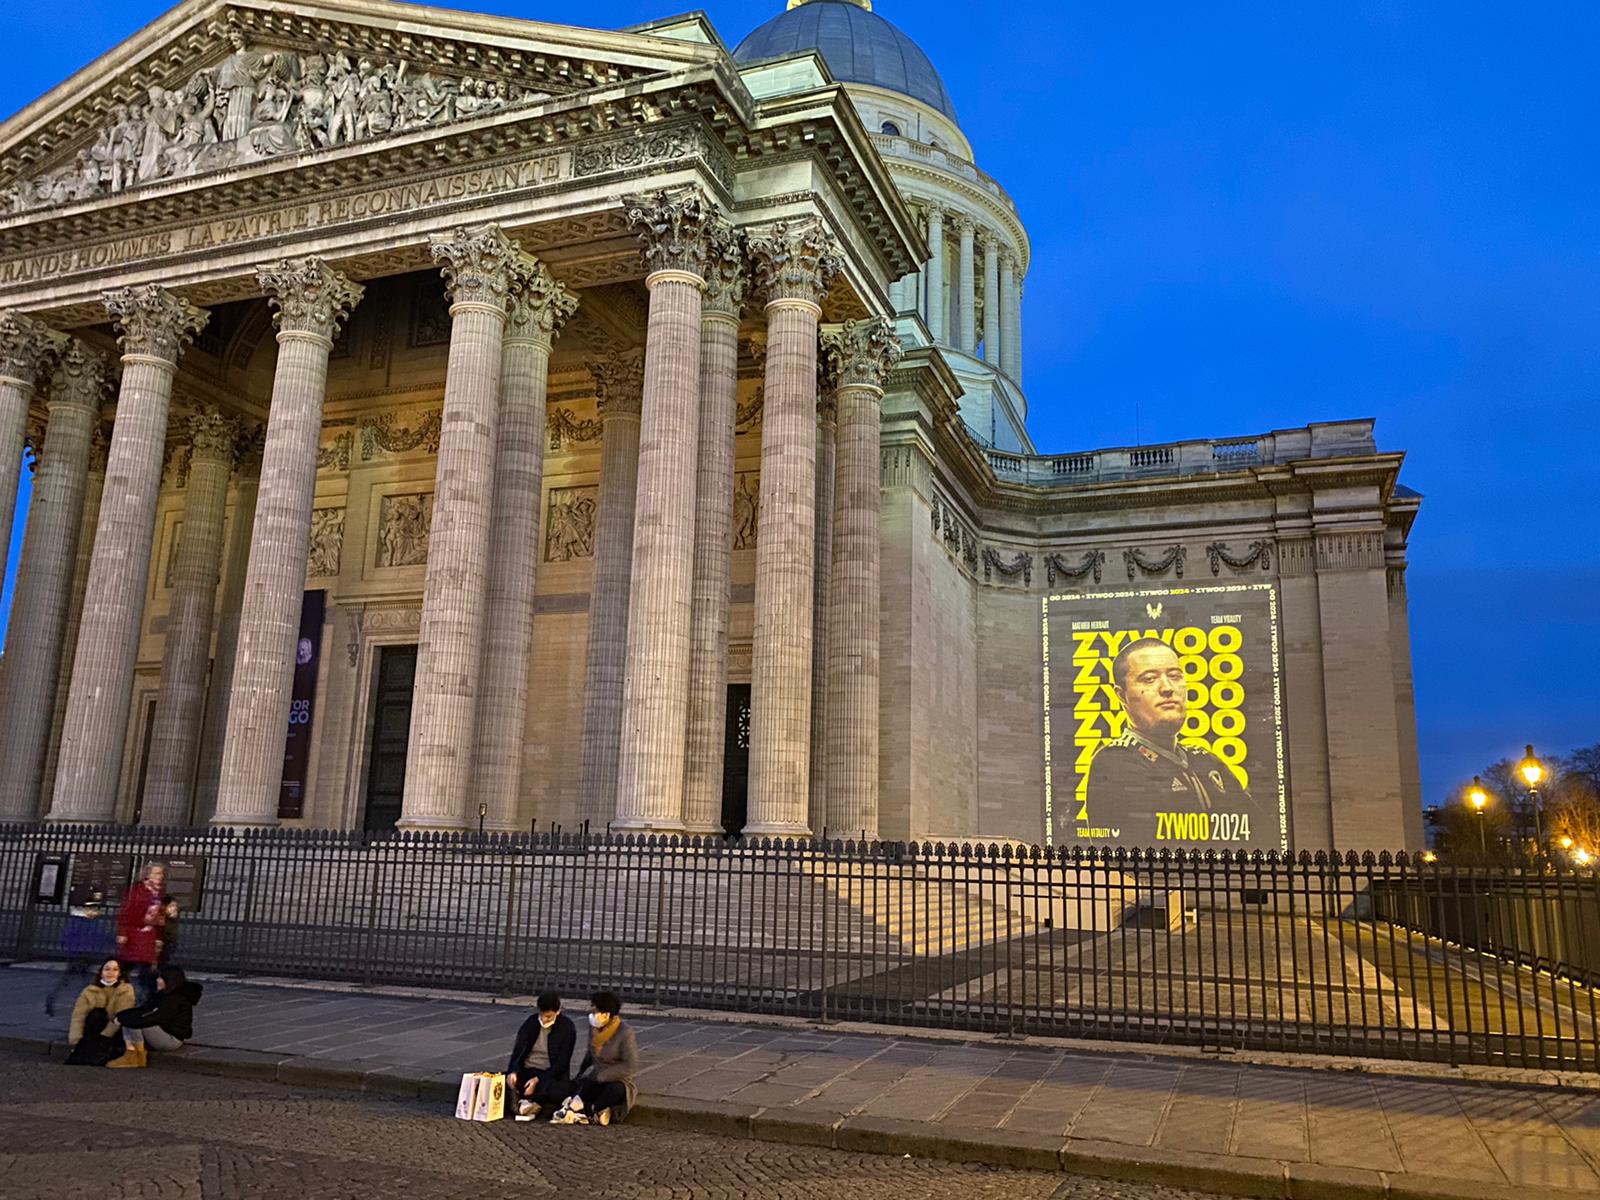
(403, 525)
(260, 103)
(569, 523)
(746, 509)
(327, 543)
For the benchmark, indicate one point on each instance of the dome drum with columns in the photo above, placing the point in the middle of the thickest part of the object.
(581, 426)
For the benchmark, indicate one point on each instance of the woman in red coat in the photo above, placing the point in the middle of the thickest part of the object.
(139, 928)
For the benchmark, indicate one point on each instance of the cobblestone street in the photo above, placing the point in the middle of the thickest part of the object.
(69, 1132)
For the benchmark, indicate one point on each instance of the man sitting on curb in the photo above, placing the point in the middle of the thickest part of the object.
(541, 1060)
(604, 1090)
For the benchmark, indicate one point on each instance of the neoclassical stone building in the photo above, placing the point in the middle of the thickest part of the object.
(439, 419)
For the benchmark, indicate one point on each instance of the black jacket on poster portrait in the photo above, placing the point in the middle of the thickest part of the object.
(562, 1041)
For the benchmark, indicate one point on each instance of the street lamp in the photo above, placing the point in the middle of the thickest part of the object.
(1532, 771)
(1478, 798)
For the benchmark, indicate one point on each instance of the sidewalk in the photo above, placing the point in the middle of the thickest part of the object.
(1200, 1123)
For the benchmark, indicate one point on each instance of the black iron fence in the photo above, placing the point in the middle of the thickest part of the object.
(1376, 956)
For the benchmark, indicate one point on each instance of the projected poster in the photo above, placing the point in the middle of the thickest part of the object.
(1163, 718)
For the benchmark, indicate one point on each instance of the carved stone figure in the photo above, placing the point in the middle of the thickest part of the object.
(403, 524)
(746, 510)
(236, 79)
(327, 542)
(569, 528)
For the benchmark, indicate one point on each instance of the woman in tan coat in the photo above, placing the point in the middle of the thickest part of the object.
(94, 1034)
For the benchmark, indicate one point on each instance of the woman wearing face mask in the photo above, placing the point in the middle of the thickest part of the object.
(94, 1034)
(541, 1060)
(604, 1090)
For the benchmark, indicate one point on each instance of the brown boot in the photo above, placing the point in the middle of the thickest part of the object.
(133, 1056)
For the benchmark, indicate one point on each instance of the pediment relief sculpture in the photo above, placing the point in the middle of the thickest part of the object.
(260, 103)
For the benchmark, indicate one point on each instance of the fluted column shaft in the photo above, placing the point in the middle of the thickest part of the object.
(796, 262)
(862, 356)
(935, 276)
(209, 774)
(967, 330)
(1008, 315)
(311, 299)
(536, 307)
(32, 664)
(444, 701)
(26, 349)
(93, 488)
(713, 561)
(180, 703)
(817, 807)
(991, 302)
(154, 325)
(606, 653)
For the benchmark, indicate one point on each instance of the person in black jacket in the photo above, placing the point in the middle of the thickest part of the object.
(541, 1060)
(165, 1023)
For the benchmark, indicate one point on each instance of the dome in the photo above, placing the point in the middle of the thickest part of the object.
(858, 45)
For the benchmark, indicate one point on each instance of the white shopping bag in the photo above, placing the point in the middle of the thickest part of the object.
(467, 1096)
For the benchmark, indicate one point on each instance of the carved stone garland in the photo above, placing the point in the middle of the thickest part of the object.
(1020, 564)
(1055, 565)
(1258, 552)
(1174, 557)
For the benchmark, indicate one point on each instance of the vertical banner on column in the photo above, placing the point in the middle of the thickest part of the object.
(1164, 718)
(297, 741)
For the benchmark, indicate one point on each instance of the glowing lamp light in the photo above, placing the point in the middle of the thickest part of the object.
(1429, 856)
(1476, 796)
(1566, 842)
(1531, 769)
(1582, 857)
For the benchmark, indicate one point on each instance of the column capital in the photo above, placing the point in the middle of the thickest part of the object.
(214, 435)
(477, 264)
(965, 225)
(28, 347)
(80, 378)
(152, 322)
(675, 229)
(310, 297)
(619, 384)
(862, 353)
(795, 260)
(537, 304)
(936, 211)
(727, 271)
(252, 445)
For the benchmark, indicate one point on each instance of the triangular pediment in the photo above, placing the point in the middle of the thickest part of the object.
(217, 86)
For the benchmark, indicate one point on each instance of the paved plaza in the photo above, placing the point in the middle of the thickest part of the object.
(1253, 1129)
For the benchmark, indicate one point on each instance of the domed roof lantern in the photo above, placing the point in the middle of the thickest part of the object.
(858, 45)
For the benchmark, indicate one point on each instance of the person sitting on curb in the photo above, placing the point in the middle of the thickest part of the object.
(541, 1060)
(603, 1090)
(93, 1033)
(165, 1023)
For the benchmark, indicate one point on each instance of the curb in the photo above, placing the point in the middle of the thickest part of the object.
(1268, 1179)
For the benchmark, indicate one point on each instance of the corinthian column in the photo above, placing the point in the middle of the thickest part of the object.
(862, 354)
(827, 423)
(794, 262)
(180, 704)
(311, 299)
(1006, 358)
(991, 301)
(236, 565)
(477, 268)
(713, 536)
(154, 326)
(935, 276)
(655, 689)
(99, 444)
(32, 664)
(620, 384)
(966, 339)
(27, 350)
(536, 307)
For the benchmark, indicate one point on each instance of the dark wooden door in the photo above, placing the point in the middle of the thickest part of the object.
(391, 730)
(736, 760)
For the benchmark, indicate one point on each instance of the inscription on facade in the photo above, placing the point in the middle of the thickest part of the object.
(242, 228)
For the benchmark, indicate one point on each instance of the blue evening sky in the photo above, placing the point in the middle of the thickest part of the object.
(1247, 216)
